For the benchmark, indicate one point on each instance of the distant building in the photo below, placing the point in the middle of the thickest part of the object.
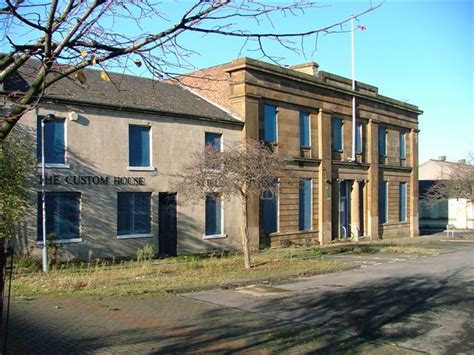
(456, 211)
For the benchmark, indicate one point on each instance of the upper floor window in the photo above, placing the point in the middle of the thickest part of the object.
(337, 135)
(54, 141)
(213, 214)
(62, 215)
(139, 146)
(402, 212)
(403, 146)
(270, 124)
(382, 141)
(358, 138)
(133, 213)
(383, 202)
(305, 130)
(213, 140)
(305, 190)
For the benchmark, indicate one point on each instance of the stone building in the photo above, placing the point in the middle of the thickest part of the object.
(111, 154)
(114, 148)
(306, 114)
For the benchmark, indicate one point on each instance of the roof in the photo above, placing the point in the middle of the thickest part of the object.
(435, 169)
(123, 92)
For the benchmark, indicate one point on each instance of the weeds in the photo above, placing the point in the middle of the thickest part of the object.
(145, 254)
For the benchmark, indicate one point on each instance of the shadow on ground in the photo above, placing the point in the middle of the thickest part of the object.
(335, 321)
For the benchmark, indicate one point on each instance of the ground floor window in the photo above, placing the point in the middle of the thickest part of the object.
(269, 214)
(305, 204)
(133, 213)
(402, 212)
(383, 202)
(62, 215)
(213, 214)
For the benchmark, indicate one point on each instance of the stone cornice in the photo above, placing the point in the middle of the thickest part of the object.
(271, 69)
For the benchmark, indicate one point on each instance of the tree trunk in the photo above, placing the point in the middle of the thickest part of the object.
(245, 234)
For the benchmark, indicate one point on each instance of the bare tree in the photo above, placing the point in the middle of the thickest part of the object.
(459, 183)
(67, 36)
(244, 169)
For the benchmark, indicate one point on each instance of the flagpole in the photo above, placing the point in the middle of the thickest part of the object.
(353, 158)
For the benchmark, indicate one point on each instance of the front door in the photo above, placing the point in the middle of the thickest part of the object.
(344, 209)
(167, 235)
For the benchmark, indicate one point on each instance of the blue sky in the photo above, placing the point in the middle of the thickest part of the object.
(418, 52)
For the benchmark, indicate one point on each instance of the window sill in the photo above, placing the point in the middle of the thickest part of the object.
(141, 168)
(215, 236)
(135, 236)
(55, 166)
(62, 241)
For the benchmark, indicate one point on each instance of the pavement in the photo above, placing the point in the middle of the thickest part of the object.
(392, 303)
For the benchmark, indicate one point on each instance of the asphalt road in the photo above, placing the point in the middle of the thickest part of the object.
(420, 304)
(391, 304)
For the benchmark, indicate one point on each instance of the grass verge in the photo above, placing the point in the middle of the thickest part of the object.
(156, 276)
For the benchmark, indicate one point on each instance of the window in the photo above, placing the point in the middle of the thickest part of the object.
(54, 141)
(402, 212)
(139, 146)
(337, 136)
(213, 214)
(358, 138)
(403, 146)
(134, 213)
(305, 204)
(270, 124)
(269, 213)
(305, 130)
(383, 203)
(213, 140)
(382, 142)
(62, 215)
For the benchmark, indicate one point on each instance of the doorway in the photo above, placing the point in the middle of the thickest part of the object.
(167, 224)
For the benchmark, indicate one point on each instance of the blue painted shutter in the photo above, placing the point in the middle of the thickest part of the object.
(270, 124)
(304, 130)
(62, 215)
(382, 141)
(133, 213)
(403, 202)
(382, 202)
(54, 142)
(213, 215)
(269, 213)
(305, 204)
(358, 142)
(213, 139)
(403, 153)
(142, 222)
(337, 134)
(139, 146)
(124, 219)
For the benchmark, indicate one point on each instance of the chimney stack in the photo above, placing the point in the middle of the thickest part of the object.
(307, 68)
(442, 157)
